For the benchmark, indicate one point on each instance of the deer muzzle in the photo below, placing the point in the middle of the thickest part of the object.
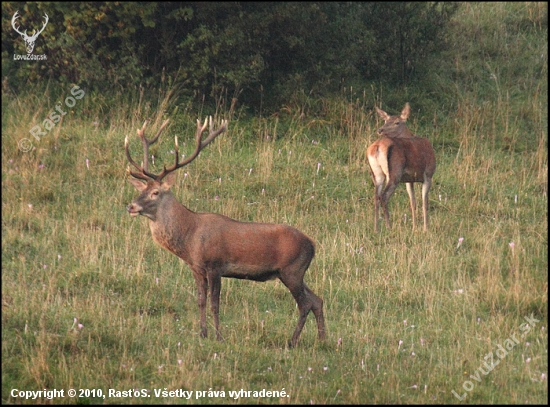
(134, 209)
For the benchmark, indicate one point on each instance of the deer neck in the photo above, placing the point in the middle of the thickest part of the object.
(173, 226)
(405, 133)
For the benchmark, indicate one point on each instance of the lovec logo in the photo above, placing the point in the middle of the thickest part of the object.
(29, 40)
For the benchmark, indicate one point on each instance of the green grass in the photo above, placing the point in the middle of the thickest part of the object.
(410, 316)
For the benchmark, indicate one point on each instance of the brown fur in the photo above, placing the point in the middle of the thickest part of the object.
(400, 156)
(215, 246)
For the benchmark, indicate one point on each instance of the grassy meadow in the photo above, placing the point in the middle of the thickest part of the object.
(89, 301)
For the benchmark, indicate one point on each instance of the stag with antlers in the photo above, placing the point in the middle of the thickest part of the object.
(215, 246)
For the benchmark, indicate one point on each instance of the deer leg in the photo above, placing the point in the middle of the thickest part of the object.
(215, 281)
(304, 306)
(410, 191)
(377, 196)
(295, 283)
(202, 286)
(425, 189)
(317, 308)
(385, 197)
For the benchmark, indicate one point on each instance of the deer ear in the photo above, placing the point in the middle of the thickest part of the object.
(381, 113)
(168, 181)
(405, 112)
(140, 186)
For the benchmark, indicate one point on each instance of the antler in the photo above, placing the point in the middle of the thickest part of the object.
(35, 34)
(15, 17)
(143, 171)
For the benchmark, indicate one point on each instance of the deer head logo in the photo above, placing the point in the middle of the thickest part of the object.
(29, 40)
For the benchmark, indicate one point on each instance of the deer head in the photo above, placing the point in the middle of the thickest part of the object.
(29, 41)
(157, 186)
(395, 126)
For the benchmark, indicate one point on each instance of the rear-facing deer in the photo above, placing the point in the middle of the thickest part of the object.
(215, 246)
(400, 156)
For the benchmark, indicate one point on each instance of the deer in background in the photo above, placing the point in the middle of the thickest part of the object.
(215, 246)
(400, 156)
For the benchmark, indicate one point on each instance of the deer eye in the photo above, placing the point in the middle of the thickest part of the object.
(155, 193)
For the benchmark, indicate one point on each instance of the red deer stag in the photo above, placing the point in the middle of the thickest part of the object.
(215, 246)
(400, 156)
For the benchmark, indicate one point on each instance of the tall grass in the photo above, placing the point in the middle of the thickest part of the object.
(410, 315)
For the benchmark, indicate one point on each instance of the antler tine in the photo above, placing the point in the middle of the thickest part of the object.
(200, 145)
(139, 174)
(213, 134)
(144, 171)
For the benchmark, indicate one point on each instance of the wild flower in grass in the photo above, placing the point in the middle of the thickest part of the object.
(527, 343)
(157, 280)
(339, 343)
(460, 240)
(179, 344)
(180, 362)
(318, 167)
(160, 368)
(80, 326)
(413, 354)
(309, 369)
(414, 386)
(216, 198)
(422, 341)
(41, 166)
(45, 266)
(512, 245)
(543, 376)
(58, 257)
(250, 172)
(338, 392)
(30, 206)
(87, 163)
(325, 368)
(405, 322)
(400, 343)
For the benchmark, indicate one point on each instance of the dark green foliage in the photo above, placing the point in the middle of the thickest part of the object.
(260, 53)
